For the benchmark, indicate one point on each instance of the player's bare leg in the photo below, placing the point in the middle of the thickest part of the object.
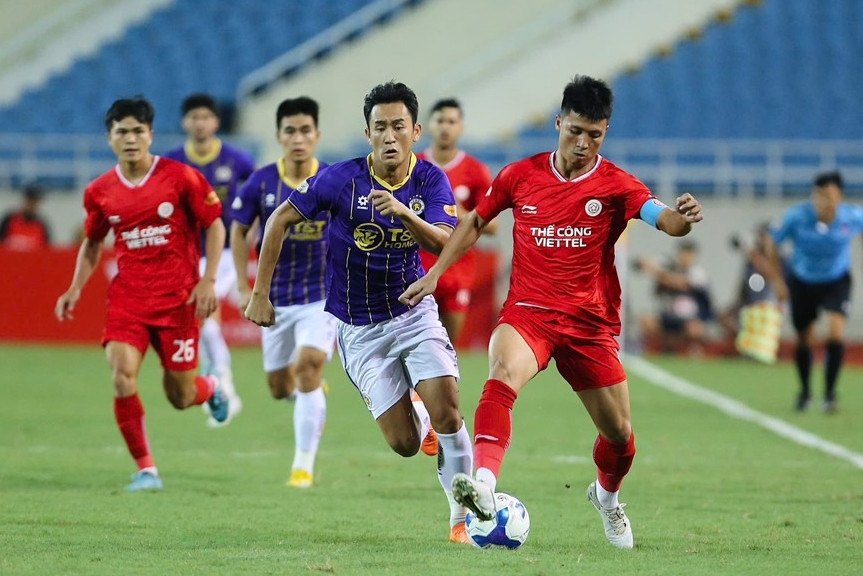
(512, 364)
(454, 323)
(125, 362)
(185, 388)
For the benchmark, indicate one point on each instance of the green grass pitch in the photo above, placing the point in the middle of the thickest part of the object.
(708, 493)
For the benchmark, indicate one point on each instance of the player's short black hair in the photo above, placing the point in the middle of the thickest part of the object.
(199, 100)
(33, 191)
(294, 106)
(828, 178)
(587, 97)
(390, 92)
(446, 103)
(138, 108)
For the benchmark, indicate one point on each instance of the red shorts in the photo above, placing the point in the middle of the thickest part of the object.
(454, 287)
(177, 346)
(585, 362)
(452, 294)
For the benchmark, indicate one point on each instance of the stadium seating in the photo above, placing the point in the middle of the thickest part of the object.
(773, 69)
(185, 47)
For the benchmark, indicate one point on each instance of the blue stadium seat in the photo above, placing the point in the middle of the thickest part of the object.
(186, 46)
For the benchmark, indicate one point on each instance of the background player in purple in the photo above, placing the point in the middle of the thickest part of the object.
(382, 208)
(225, 167)
(301, 341)
(569, 207)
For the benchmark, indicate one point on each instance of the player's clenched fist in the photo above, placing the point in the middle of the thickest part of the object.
(260, 311)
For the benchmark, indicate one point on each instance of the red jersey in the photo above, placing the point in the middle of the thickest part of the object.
(470, 180)
(564, 234)
(20, 231)
(156, 224)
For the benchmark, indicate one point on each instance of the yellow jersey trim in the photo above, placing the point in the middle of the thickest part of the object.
(390, 187)
(282, 166)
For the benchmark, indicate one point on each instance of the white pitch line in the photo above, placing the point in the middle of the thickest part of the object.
(659, 377)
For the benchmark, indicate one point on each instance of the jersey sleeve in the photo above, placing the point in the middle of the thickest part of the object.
(315, 194)
(781, 230)
(96, 225)
(637, 195)
(479, 186)
(498, 197)
(201, 199)
(440, 203)
(246, 207)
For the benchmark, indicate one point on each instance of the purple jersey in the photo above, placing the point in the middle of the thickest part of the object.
(225, 168)
(372, 259)
(299, 274)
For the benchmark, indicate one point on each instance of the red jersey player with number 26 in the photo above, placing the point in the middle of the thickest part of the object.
(156, 208)
(569, 207)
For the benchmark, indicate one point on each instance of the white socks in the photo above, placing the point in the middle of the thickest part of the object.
(423, 416)
(456, 456)
(607, 500)
(486, 476)
(213, 348)
(310, 413)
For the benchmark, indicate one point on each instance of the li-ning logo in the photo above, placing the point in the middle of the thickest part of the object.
(528, 209)
(593, 207)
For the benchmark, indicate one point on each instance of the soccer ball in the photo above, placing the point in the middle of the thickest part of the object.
(508, 529)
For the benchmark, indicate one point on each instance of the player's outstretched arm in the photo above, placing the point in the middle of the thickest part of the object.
(463, 238)
(204, 293)
(260, 309)
(240, 255)
(678, 221)
(88, 258)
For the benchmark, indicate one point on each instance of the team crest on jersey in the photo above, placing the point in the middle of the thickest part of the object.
(461, 192)
(368, 236)
(237, 203)
(165, 209)
(593, 207)
(224, 173)
(417, 205)
(304, 187)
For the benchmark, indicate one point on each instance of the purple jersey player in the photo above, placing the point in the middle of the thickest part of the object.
(383, 207)
(299, 344)
(225, 168)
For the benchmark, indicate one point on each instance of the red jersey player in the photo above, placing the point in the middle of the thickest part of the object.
(156, 209)
(570, 207)
(470, 179)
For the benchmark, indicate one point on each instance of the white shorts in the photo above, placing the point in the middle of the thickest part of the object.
(226, 277)
(386, 359)
(299, 326)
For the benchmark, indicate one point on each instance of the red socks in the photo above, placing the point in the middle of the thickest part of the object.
(129, 413)
(205, 385)
(492, 429)
(613, 461)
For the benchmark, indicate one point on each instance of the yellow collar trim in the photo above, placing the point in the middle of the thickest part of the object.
(282, 165)
(203, 160)
(385, 184)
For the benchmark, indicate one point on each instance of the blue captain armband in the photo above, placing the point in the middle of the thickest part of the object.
(650, 211)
